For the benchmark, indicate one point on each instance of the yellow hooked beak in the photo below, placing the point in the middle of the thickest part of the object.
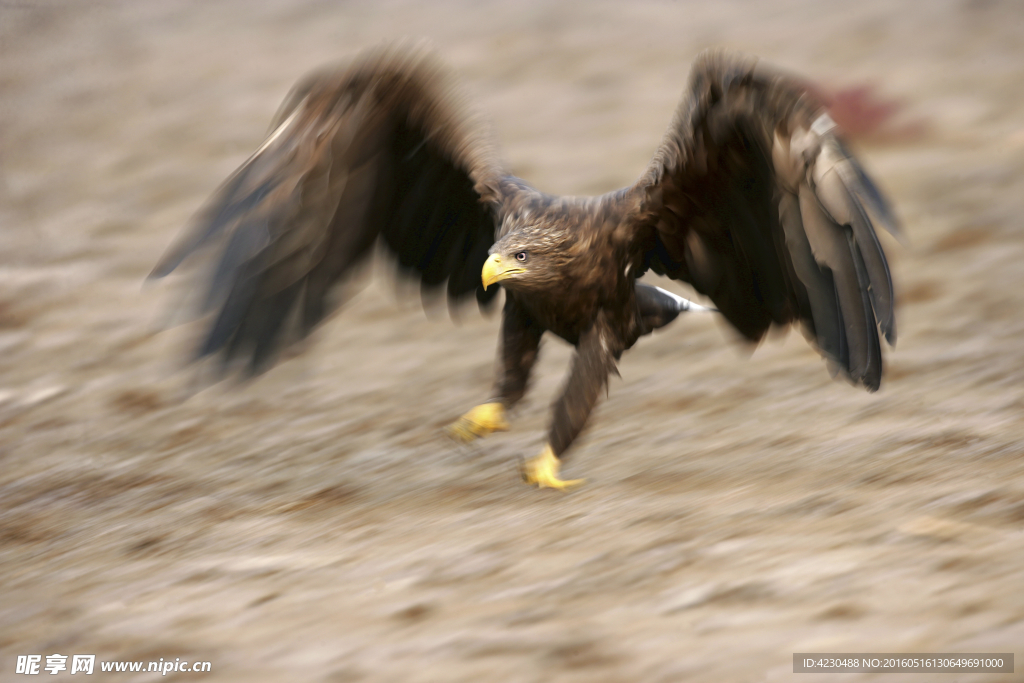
(495, 270)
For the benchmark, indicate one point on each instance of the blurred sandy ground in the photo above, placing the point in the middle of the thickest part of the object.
(314, 525)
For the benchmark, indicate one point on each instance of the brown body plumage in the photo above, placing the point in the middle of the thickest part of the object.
(751, 198)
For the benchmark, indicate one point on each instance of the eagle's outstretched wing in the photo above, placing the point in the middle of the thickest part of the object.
(754, 200)
(380, 149)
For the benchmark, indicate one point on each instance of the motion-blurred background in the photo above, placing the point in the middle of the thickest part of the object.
(315, 524)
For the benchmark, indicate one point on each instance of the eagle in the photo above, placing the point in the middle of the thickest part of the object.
(752, 198)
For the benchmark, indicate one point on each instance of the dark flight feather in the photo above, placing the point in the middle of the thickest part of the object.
(754, 200)
(379, 151)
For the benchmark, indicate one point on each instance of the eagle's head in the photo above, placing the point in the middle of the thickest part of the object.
(529, 258)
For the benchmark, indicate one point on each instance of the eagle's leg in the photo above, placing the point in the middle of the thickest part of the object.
(519, 345)
(598, 350)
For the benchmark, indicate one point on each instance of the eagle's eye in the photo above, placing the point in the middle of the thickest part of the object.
(521, 257)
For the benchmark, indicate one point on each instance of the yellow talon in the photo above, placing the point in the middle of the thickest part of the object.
(479, 422)
(542, 472)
